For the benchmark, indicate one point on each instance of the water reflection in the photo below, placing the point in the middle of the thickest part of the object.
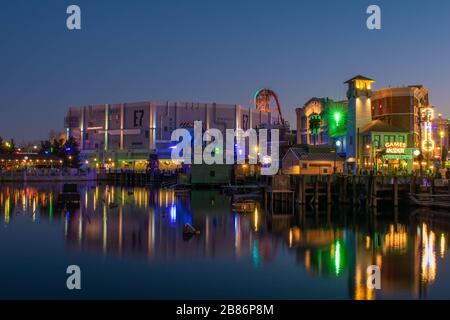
(411, 251)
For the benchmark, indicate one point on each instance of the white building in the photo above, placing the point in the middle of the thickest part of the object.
(126, 134)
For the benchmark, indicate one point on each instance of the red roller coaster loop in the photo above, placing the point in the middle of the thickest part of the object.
(262, 101)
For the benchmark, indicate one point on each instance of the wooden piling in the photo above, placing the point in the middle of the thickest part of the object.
(316, 191)
(395, 191)
(374, 193)
(329, 199)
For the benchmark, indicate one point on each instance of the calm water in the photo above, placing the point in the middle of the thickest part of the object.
(137, 249)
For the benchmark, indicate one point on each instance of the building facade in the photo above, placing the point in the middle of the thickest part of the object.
(401, 107)
(128, 134)
(357, 128)
(322, 121)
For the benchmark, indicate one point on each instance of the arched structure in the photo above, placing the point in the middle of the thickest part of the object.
(262, 100)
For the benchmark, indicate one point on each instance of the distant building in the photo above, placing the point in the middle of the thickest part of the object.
(322, 121)
(384, 147)
(400, 107)
(127, 134)
(353, 127)
(304, 159)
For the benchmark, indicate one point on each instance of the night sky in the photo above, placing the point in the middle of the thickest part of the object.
(209, 51)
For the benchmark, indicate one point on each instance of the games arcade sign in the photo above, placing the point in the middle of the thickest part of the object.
(395, 147)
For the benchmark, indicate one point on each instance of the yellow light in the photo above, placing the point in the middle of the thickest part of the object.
(367, 146)
(35, 147)
(442, 134)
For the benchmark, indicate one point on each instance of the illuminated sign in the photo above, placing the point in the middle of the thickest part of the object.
(395, 147)
(427, 132)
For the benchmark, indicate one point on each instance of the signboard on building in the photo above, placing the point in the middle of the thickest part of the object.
(397, 148)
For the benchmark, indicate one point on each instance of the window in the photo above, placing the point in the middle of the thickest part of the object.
(401, 139)
(376, 140)
(304, 166)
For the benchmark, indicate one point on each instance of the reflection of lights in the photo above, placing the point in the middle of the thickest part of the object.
(7, 209)
(337, 257)
(256, 219)
(367, 242)
(105, 228)
(396, 240)
(428, 262)
(256, 257)
(290, 238)
(173, 213)
(442, 246)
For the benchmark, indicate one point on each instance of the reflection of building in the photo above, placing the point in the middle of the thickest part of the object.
(128, 133)
(151, 224)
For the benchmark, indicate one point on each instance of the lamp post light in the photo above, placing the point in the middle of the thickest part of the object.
(442, 135)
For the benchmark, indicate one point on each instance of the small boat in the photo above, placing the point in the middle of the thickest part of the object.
(243, 192)
(244, 206)
(429, 200)
(69, 195)
(190, 230)
(181, 188)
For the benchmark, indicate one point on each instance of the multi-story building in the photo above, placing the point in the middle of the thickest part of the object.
(401, 107)
(127, 134)
(322, 121)
(395, 113)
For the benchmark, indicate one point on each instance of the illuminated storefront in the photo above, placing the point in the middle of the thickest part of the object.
(384, 148)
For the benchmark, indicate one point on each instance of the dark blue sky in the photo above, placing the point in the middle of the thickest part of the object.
(209, 51)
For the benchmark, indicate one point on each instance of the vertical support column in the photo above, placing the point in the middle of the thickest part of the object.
(395, 191)
(82, 112)
(316, 191)
(152, 126)
(374, 193)
(106, 125)
(122, 122)
(344, 190)
(329, 200)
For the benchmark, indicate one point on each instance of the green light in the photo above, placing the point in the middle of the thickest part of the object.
(337, 118)
(337, 257)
